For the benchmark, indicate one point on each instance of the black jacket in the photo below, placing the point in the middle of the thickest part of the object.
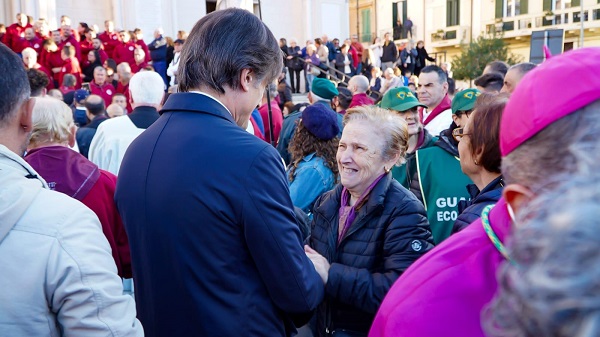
(390, 232)
(469, 211)
(158, 49)
(422, 55)
(390, 52)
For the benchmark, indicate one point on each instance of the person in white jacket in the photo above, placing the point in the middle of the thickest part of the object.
(174, 65)
(58, 277)
(114, 135)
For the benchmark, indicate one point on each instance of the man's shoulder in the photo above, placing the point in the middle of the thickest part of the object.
(51, 211)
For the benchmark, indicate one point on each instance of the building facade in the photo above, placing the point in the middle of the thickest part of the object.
(301, 19)
(444, 25)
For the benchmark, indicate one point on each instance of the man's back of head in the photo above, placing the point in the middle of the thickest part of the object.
(358, 84)
(94, 104)
(38, 81)
(490, 82)
(555, 136)
(15, 89)
(496, 67)
(147, 89)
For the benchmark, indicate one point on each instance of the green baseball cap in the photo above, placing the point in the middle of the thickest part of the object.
(464, 100)
(324, 88)
(400, 99)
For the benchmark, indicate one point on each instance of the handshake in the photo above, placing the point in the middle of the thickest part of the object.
(320, 263)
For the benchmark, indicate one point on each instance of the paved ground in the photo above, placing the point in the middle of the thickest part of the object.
(299, 98)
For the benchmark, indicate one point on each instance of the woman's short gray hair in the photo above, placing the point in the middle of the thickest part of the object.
(552, 288)
(221, 45)
(391, 127)
(52, 121)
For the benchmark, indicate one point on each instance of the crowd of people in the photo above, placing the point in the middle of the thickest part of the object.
(385, 64)
(421, 211)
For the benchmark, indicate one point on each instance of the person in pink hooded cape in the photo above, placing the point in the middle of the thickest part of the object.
(545, 127)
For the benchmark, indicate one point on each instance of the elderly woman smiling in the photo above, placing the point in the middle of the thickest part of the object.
(369, 228)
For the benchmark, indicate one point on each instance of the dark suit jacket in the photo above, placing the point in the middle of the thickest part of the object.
(215, 246)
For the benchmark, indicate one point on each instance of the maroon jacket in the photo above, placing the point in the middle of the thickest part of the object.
(124, 53)
(70, 41)
(110, 41)
(106, 91)
(360, 99)
(69, 172)
(35, 44)
(13, 36)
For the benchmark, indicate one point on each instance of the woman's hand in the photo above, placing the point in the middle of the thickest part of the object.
(320, 263)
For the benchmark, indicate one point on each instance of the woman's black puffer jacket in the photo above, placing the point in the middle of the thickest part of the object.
(389, 233)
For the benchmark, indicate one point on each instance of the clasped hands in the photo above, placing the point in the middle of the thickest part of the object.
(321, 264)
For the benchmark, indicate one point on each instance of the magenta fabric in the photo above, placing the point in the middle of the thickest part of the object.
(545, 95)
(444, 292)
(65, 170)
(360, 99)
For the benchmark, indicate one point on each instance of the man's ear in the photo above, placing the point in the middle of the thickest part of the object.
(26, 113)
(72, 132)
(445, 86)
(246, 78)
(517, 196)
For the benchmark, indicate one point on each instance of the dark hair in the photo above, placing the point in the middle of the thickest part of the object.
(68, 50)
(304, 143)
(94, 104)
(344, 97)
(443, 77)
(283, 41)
(84, 25)
(221, 45)
(492, 81)
(137, 30)
(87, 30)
(498, 67)
(13, 83)
(318, 41)
(485, 130)
(451, 86)
(38, 80)
(110, 63)
(98, 58)
(524, 67)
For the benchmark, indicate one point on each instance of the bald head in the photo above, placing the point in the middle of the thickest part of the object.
(94, 104)
(358, 84)
(115, 110)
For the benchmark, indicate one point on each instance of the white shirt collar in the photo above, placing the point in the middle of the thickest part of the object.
(209, 96)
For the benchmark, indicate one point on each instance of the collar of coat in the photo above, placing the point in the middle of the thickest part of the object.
(329, 205)
(193, 102)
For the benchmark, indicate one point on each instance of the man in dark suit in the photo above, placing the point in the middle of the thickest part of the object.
(215, 246)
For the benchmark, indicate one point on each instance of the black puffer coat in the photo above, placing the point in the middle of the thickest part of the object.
(390, 232)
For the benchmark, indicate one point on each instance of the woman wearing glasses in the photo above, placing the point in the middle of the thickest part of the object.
(480, 157)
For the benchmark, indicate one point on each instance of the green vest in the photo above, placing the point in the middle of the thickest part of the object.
(443, 185)
(404, 173)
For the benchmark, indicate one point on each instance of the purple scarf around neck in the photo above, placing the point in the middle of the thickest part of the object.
(349, 219)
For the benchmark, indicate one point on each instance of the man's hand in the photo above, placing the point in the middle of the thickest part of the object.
(320, 263)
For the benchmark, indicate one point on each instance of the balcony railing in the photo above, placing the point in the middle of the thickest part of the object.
(522, 25)
(449, 36)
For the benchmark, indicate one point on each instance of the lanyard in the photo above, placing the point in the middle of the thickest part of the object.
(485, 220)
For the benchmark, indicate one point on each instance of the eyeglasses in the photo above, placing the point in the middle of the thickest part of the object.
(458, 134)
(466, 113)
